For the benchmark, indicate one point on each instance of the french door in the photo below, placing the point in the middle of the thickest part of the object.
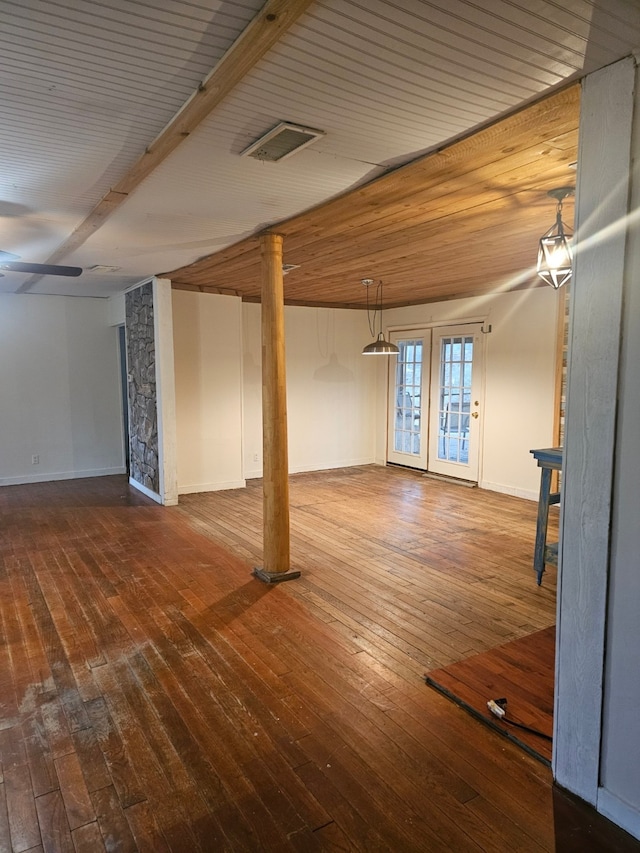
(455, 399)
(435, 395)
(408, 389)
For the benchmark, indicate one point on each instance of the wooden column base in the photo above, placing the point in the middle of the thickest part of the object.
(274, 577)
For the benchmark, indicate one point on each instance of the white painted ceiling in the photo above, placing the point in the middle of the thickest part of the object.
(87, 86)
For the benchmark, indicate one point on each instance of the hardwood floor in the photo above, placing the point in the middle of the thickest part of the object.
(522, 672)
(155, 697)
(429, 572)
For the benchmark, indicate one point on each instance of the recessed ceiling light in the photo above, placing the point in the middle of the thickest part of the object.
(281, 142)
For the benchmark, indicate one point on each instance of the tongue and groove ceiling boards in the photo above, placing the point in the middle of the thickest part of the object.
(124, 123)
(85, 88)
(460, 222)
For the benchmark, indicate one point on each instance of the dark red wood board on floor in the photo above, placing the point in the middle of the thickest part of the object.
(522, 671)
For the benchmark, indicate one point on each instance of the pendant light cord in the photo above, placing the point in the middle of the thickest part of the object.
(377, 307)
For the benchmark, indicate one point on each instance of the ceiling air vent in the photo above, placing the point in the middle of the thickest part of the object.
(279, 143)
(103, 268)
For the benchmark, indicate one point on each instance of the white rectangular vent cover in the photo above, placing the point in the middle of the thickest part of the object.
(103, 268)
(281, 142)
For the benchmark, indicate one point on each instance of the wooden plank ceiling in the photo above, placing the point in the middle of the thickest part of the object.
(462, 221)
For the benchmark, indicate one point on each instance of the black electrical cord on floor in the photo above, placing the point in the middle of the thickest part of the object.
(487, 720)
(526, 728)
(498, 708)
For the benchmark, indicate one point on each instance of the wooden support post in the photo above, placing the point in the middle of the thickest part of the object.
(275, 500)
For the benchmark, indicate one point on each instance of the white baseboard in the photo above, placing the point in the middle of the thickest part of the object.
(212, 487)
(509, 490)
(145, 491)
(60, 475)
(619, 812)
(327, 466)
(255, 473)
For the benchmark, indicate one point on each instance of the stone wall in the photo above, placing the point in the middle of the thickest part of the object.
(141, 370)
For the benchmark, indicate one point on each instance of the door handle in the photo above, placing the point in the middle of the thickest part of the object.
(474, 414)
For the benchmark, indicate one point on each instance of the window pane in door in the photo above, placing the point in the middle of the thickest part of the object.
(454, 394)
(406, 437)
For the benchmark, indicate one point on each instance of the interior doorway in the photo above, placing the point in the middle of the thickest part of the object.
(435, 400)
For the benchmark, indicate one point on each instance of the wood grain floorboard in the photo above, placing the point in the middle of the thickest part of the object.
(5, 831)
(156, 698)
(54, 826)
(522, 672)
(88, 839)
(24, 829)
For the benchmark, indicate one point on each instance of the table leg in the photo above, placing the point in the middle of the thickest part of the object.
(541, 526)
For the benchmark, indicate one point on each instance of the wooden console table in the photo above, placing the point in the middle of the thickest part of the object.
(549, 460)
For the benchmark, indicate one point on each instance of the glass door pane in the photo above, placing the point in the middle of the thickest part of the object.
(407, 423)
(408, 394)
(454, 395)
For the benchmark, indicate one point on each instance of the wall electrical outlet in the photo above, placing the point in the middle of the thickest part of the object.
(255, 457)
(35, 459)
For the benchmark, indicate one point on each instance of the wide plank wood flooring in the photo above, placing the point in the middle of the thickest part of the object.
(429, 572)
(522, 672)
(156, 697)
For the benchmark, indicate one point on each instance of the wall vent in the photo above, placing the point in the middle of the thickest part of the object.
(281, 142)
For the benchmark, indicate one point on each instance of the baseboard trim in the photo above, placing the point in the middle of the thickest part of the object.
(509, 490)
(619, 812)
(328, 466)
(60, 475)
(145, 491)
(256, 473)
(211, 487)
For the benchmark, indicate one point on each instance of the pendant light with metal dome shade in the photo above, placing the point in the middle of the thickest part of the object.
(380, 346)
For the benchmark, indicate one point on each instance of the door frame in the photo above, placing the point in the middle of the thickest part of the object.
(430, 326)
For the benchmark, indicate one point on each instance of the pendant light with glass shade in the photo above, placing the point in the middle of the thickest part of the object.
(555, 258)
(380, 346)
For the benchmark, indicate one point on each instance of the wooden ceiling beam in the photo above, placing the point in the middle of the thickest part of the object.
(262, 33)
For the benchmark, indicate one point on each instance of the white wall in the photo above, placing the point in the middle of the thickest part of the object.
(116, 309)
(336, 399)
(208, 379)
(59, 389)
(331, 389)
(519, 379)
